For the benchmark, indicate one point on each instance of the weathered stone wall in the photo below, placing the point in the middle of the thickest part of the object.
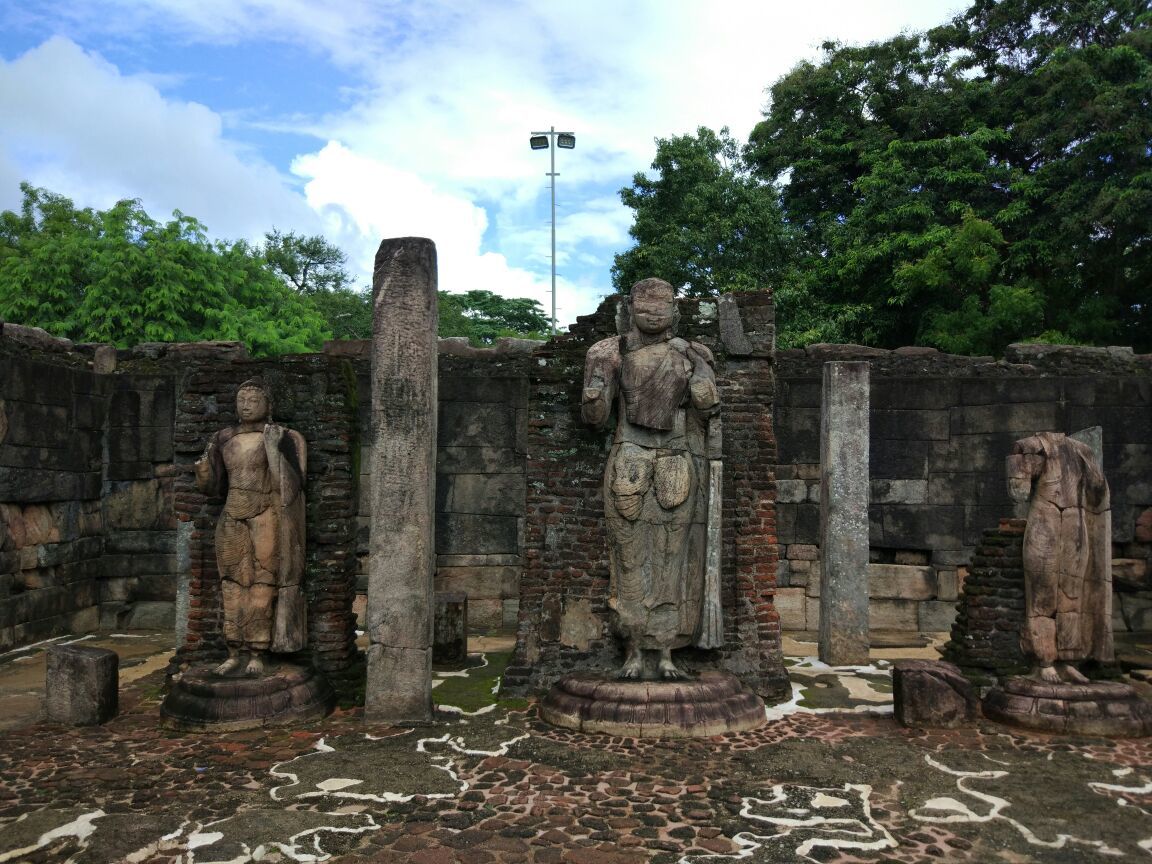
(941, 428)
(86, 527)
(564, 617)
(317, 396)
(479, 473)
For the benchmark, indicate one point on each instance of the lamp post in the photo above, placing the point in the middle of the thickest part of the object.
(550, 140)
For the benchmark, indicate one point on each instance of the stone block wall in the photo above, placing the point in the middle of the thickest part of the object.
(316, 395)
(564, 618)
(86, 528)
(941, 427)
(480, 483)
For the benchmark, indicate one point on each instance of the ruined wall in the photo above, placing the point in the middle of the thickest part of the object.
(564, 618)
(941, 427)
(86, 528)
(317, 396)
(479, 473)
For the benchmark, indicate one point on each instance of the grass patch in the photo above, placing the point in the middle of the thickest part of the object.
(473, 691)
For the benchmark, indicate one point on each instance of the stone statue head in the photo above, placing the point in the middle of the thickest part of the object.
(654, 308)
(253, 401)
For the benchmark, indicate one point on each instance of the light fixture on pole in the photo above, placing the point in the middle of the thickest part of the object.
(549, 141)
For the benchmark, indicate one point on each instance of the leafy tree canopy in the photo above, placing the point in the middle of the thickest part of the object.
(484, 317)
(986, 182)
(703, 221)
(317, 269)
(119, 276)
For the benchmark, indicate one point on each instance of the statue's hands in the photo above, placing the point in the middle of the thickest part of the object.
(274, 434)
(704, 395)
(593, 406)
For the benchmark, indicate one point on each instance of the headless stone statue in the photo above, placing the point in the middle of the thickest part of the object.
(1067, 555)
(657, 481)
(258, 467)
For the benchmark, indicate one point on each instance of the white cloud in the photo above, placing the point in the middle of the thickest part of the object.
(432, 120)
(363, 200)
(74, 124)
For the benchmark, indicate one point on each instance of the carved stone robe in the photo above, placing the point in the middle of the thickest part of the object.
(260, 535)
(1067, 549)
(656, 487)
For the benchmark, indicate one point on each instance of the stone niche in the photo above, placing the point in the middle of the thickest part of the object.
(564, 621)
(316, 396)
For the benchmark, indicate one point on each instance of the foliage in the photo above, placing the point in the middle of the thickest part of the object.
(985, 182)
(317, 269)
(703, 222)
(310, 265)
(484, 317)
(119, 276)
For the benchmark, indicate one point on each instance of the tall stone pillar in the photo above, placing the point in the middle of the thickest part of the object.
(844, 514)
(401, 547)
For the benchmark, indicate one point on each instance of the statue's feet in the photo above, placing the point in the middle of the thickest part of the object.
(1047, 674)
(633, 667)
(669, 671)
(1068, 672)
(255, 667)
(229, 666)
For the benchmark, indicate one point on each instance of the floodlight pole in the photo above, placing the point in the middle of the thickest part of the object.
(552, 175)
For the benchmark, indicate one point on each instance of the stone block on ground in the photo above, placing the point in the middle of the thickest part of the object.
(450, 629)
(932, 694)
(81, 685)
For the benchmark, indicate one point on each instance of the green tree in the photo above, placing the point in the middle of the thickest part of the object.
(318, 270)
(310, 265)
(119, 276)
(985, 182)
(484, 317)
(703, 222)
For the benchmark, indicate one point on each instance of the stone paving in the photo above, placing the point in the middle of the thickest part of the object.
(830, 777)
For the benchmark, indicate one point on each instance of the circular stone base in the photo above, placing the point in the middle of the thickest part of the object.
(712, 704)
(286, 695)
(1100, 708)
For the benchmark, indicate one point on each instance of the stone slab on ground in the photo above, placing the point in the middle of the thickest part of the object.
(930, 694)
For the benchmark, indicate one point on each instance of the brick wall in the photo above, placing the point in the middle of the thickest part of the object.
(941, 427)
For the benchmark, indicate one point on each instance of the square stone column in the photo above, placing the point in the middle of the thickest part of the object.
(401, 549)
(844, 491)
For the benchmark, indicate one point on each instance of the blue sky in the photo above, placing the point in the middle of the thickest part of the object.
(366, 119)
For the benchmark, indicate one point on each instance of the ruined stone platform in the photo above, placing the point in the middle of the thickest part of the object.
(287, 695)
(713, 704)
(1106, 708)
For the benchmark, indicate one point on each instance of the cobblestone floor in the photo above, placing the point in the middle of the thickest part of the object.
(830, 777)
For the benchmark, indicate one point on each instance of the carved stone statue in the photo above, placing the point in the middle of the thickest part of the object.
(1067, 555)
(664, 463)
(258, 467)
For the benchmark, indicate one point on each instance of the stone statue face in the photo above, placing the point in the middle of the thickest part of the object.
(654, 311)
(251, 405)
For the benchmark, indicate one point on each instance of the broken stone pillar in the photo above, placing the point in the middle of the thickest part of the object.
(403, 469)
(844, 514)
(81, 685)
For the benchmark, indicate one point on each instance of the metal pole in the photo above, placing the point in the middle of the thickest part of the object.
(552, 174)
(553, 138)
